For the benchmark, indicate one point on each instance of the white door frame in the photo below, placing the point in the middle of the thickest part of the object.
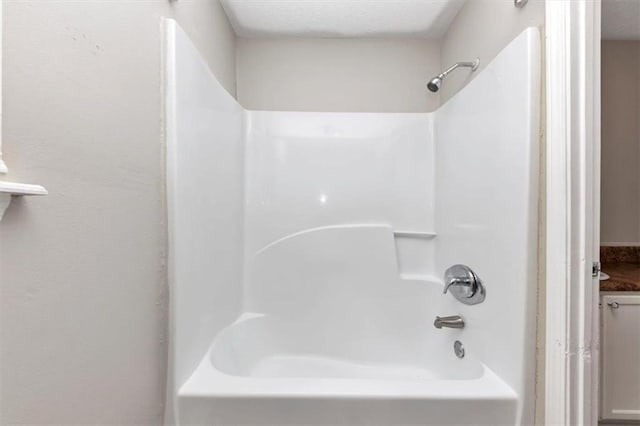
(572, 236)
(3, 167)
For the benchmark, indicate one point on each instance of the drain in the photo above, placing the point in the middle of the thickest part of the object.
(458, 348)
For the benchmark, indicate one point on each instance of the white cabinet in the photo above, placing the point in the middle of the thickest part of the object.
(620, 356)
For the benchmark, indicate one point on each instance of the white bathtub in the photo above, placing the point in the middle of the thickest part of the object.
(265, 371)
(342, 338)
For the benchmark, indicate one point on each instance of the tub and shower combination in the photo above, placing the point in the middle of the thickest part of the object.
(308, 253)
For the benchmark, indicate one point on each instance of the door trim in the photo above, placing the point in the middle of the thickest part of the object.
(572, 232)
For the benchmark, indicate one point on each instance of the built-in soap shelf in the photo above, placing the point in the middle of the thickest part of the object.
(14, 189)
(421, 277)
(415, 255)
(414, 234)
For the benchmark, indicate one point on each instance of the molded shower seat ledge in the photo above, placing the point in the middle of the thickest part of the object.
(14, 189)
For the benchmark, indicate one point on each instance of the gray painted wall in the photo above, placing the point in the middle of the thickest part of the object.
(620, 215)
(83, 306)
(482, 29)
(342, 75)
(375, 75)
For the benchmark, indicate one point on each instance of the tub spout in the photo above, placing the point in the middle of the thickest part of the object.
(454, 321)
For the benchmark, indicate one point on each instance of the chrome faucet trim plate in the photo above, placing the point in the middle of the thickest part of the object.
(465, 285)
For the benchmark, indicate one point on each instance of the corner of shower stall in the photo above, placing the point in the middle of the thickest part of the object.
(305, 267)
(205, 207)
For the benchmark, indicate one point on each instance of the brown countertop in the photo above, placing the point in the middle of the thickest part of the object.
(624, 276)
(622, 264)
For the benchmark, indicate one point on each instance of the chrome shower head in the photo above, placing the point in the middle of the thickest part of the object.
(436, 82)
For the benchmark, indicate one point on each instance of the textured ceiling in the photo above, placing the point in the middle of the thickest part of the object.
(341, 18)
(621, 19)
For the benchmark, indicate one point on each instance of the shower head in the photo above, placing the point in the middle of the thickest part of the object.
(436, 82)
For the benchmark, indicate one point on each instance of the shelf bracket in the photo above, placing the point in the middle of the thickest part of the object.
(8, 190)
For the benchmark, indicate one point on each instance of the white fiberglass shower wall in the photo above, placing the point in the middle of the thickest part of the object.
(307, 253)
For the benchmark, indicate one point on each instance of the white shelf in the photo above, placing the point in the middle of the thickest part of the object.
(8, 190)
(14, 188)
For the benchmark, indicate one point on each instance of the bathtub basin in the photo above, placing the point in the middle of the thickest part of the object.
(263, 370)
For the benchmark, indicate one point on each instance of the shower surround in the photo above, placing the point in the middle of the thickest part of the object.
(307, 252)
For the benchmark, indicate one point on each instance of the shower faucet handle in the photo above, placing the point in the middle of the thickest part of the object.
(465, 285)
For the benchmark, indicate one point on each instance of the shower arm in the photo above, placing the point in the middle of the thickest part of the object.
(473, 65)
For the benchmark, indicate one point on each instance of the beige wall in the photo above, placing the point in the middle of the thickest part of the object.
(620, 190)
(375, 75)
(481, 30)
(82, 272)
(345, 75)
(206, 24)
